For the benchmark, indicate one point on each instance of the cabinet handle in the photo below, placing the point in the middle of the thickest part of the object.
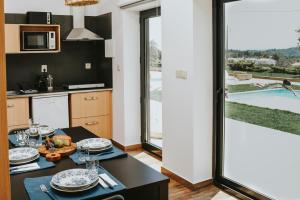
(10, 105)
(91, 123)
(90, 98)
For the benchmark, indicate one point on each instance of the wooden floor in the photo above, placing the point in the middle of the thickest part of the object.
(177, 191)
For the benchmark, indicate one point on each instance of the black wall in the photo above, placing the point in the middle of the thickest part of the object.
(68, 66)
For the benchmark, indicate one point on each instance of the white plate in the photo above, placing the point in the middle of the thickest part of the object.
(94, 143)
(74, 179)
(26, 161)
(49, 131)
(22, 154)
(73, 190)
(99, 150)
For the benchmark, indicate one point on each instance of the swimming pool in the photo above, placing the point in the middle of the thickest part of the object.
(281, 99)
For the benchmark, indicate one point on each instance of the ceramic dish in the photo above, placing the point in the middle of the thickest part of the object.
(74, 179)
(22, 154)
(46, 132)
(94, 144)
(25, 161)
(61, 189)
(100, 150)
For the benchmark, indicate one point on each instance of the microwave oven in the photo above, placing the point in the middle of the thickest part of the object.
(38, 41)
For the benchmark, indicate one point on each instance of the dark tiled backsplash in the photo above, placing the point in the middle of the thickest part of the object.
(68, 66)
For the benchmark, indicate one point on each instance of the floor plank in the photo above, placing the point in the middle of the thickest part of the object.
(178, 191)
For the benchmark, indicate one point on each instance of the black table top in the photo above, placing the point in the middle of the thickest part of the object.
(131, 172)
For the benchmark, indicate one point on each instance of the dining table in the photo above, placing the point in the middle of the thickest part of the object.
(142, 182)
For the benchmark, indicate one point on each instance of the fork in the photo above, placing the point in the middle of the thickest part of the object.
(45, 190)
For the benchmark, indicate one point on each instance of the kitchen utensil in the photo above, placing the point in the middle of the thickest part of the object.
(44, 189)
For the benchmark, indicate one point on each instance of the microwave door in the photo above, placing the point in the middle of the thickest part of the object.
(35, 41)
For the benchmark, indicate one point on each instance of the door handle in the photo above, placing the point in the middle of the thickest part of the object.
(90, 98)
(91, 123)
(10, 105)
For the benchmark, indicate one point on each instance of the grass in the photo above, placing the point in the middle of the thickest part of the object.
(268, 74)
(271, 118)
(155, 95)
(251, 87)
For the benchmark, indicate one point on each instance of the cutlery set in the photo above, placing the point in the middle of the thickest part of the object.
(25, 168)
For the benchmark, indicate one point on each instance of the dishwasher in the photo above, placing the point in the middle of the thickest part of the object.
(51, 110)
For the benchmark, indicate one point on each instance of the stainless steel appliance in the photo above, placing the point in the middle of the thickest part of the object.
(84, 86)
(38, 41)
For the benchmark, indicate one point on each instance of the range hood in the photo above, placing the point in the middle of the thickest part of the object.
(79, 32)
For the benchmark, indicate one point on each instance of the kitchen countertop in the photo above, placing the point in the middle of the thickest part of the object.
(55, 92)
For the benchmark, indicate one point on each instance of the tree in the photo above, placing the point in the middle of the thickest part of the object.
(275, 57)
(154, 55)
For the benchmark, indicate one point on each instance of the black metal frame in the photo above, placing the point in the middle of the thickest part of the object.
(218, 53)
(144, 29)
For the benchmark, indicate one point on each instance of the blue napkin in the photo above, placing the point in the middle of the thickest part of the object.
(42, 162)
(106, 155)
(32, 186)
(13, 137)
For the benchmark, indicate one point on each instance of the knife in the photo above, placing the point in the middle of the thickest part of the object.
(24, 166)
(25, 169)
(108, 180)
(102, 183)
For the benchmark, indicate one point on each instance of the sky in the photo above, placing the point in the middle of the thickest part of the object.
(155, 30)
(262, 24)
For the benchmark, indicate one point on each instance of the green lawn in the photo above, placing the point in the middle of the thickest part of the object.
(251, 87)
(271, 118)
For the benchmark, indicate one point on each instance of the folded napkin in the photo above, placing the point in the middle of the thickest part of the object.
(41, 163)
(32, 186)
(13, 137)
(106, 155)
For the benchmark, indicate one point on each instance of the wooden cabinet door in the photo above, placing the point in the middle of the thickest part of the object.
(12, 38)
(91, 104)
(17, 111)
(101, 126)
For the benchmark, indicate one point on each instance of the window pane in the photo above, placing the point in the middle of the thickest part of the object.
(262, 103)
(155, 86)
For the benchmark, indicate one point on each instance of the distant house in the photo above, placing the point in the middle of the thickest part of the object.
(296, 64)
(257, 61)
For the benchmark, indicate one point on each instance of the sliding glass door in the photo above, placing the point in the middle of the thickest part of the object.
(151, 81)
(257, 112)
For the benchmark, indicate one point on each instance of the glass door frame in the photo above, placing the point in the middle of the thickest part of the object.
(145, 107)
(226, 184)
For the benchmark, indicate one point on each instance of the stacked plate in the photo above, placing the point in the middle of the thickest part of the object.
(95, 144)
(74, 180)
(23, 155)
(46, 131)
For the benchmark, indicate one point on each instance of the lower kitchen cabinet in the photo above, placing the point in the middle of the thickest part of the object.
(92, 110)
(101, 126)
(17, 113)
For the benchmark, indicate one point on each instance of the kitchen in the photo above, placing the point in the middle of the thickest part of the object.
(59, 78)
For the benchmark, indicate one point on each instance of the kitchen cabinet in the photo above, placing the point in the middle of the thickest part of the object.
(13, 37)
(98, 125)
(92, 110)
(17, 113)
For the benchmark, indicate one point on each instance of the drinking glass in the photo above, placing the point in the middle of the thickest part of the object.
(34, 129)
(92, 163)
(20, 138)
(83, 154)
(33, 143)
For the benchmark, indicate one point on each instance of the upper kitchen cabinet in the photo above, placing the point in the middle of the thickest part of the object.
(22, 38)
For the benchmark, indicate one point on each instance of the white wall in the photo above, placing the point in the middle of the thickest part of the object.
(126, 72)
(187, 104)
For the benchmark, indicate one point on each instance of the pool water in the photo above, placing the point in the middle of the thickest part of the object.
(281, 99)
